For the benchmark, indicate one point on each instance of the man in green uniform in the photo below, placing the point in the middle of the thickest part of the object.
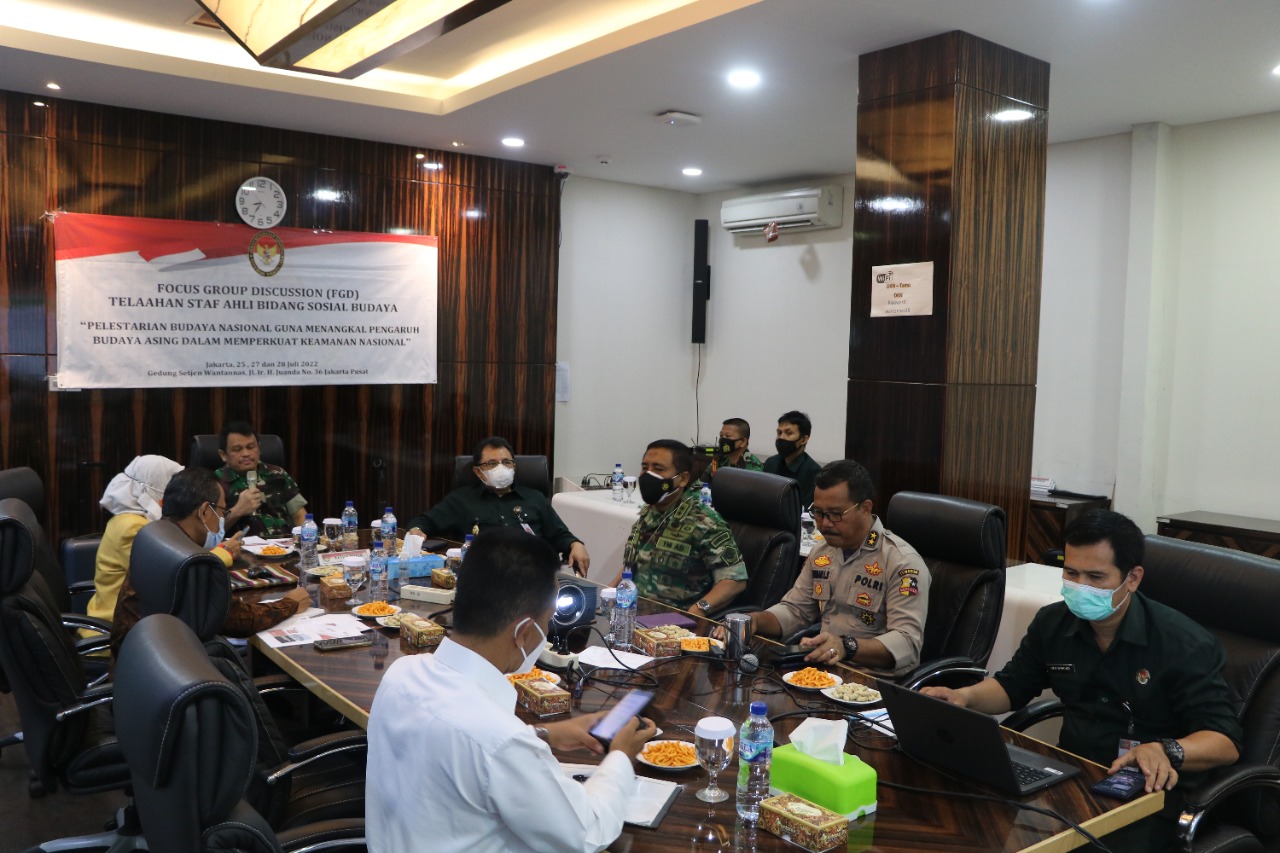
(272, 506)
(731, 449)
(496, 501)
(1142, 684)
(680, 552)
(792, 460)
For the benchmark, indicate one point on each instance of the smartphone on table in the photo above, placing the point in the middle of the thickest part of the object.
(611, 723)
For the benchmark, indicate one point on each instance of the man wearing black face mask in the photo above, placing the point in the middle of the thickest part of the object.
(792, 460)
(731, 449)
(681, 553)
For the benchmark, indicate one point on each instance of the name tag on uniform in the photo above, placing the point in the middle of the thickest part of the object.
(527, 529)
(1061, 668)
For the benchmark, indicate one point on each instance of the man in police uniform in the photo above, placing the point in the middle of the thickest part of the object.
(680, 552)
(869, 588)
(496, 501)
(1141, 683)
(273, 507)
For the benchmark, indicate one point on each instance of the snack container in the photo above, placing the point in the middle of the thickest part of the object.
(443, 579)
(660, 642)
(803, 823)
(542, 698)
(419, 632)
(334, 586)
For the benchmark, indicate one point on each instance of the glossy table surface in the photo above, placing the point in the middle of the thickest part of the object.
(692, 687)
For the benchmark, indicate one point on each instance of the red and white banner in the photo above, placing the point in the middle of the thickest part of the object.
(152, 303)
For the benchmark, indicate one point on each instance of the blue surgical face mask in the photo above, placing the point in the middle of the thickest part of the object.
(213, 538)
(1089, 602)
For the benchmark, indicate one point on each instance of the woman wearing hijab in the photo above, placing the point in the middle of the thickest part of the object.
(133, 498)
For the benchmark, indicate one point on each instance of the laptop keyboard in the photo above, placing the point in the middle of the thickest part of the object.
(1028, 775)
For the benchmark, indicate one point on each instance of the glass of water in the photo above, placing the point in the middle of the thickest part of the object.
(713, 740)
(353, 572)
(629, 488)
(608, 600)
(807, 526)
(333, 533)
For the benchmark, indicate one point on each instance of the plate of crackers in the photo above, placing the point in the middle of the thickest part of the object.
(375, 609)
(533, 674)
(272, 550)
(852, 693)
(669, 755)
(701, 646)
(811, 678)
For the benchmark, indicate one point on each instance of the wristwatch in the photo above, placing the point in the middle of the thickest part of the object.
(1174, 750)
(704, 607)
(542, 734)
(850, 647)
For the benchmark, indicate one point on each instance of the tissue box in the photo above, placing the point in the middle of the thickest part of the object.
(848, 789)
(443, 579)
(419, 632)
(334, 586)
(660, 642)
(419, 567)
(543, 698)
(803, 823)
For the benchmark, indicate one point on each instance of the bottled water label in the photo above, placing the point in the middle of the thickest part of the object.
(754, 750)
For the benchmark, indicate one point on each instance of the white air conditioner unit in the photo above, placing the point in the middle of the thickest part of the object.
(805, 209)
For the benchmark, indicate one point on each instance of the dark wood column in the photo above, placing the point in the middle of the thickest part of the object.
(945, 403)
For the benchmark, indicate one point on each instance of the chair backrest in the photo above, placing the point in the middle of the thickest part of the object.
(172, 575)
(763, 512)
(963, 544)
(1232, 594)
(25, 485)
(191, 743)
(37, 657)
(204, 451)
(531, 472)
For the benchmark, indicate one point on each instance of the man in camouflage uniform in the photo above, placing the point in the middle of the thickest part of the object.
(271, 509)
(731, 449)
(868, 587)
(680, 552)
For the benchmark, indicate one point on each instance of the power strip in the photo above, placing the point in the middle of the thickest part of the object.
(427, 593)
(552, 659)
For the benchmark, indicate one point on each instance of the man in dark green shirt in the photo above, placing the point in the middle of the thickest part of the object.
(1138, 679)
(270, 505)
(732, 451)
(792, 460)
(496, 501)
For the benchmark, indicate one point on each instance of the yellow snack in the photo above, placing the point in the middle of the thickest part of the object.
(375, 608)
(527, 676)
(695, 644)
(670, 753)
(273, 551)
(810, 677)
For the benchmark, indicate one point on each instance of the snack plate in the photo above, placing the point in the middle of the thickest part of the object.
(668, 768)
(546, 676)
(717, 648)
(829, 692)
(325, 571)
(838, 681)
(355, 611)
(256, 550)
(392, 622)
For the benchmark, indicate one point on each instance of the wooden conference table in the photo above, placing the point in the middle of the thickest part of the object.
(693, 687)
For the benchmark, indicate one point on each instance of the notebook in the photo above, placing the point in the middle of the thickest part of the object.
(967, 743)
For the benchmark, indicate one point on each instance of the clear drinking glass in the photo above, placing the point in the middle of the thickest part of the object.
(807, 526)
(629, 488)
(333, 533)
(608, 600)
(713, 740)
(353, 569)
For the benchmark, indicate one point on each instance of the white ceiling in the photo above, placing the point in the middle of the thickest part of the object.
(1114, 63)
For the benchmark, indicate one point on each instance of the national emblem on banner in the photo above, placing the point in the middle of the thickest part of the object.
(266, 253)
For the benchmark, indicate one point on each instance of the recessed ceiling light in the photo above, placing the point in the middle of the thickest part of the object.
(54, 86)
(1013, 115)
(457, 144)
(435, 167)
(420, 156)
(39, 104)
(743, 78)
(691, 171)
(513, 142)
(1276, 71)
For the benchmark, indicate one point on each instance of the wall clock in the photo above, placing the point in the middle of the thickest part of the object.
(261, 202)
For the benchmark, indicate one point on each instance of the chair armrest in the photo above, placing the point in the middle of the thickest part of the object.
(811, 631)
(955, 671)
(1221, 785)
(326, 833)
(275, 683)
(89, 623)
(302, 754)
(1036, 712)
(81, 588)
(92, 645)
(92, 697)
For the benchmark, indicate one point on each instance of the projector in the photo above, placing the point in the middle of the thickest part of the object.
(575, 607)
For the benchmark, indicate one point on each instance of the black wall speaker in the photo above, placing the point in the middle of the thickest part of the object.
(701, 281)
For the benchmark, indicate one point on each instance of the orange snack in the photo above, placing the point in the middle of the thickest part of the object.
(810, 677)
(695, 644)
(670, 753)
(375, 608)
(531, 674)
(273, 551)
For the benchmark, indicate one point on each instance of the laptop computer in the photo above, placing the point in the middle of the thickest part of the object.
(968, 743)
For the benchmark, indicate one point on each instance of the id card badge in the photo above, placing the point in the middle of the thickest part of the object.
(1126, 744)
(527, 529)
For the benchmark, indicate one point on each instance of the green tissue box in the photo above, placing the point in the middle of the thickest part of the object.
(849, 789)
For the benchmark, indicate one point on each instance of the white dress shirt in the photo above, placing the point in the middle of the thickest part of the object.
(452, 768)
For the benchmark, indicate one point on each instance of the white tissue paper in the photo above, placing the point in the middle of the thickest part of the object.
(822, 739)
(412, 546)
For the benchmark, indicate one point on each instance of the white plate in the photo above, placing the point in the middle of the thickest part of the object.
(325, 571)
(394, 608)
(829, 692)
(546, 676)
(717, 648)
(787, 678)
(383, 621)
(257, 550)
(671, 769)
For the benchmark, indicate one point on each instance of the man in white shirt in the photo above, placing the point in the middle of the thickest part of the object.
(451, 767)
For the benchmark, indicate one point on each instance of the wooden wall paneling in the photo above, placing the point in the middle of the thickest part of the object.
(895, 429)
(24, 197)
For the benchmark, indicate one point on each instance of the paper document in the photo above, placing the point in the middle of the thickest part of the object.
(647, 804)
(313, 625)
(600, 656)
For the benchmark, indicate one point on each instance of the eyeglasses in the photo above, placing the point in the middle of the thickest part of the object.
(220, 510)
(828, 515)
(494, 463)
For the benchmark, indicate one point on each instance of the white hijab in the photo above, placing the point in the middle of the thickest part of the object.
(139, 489)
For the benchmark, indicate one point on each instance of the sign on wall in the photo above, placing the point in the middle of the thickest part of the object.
(154, 303)
(902, 290)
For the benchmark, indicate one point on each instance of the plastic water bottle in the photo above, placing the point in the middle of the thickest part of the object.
(350, 527)
(624, 612)
(616, 485)
(466, 546)
(755, 754)
(704, 496)
(310, 538)
(389, 531)
(378, 571)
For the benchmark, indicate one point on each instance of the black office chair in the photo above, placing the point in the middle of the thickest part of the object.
(531, 472)
(963, 544)
(25, 485)
(66, 734)
(1232, 594)
(192, 746)
(763, 512)
(295, 783)
(204, 451)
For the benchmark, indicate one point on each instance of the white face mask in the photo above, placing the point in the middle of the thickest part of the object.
(213, 538)
(530, 658)
(501, 477)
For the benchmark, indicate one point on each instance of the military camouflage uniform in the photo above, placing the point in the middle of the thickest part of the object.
(679, 554)
(281, 500)
(749, 462)
(878, 590)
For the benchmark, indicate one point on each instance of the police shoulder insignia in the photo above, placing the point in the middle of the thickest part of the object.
(872, 539)
(908, 586)
(823, 561)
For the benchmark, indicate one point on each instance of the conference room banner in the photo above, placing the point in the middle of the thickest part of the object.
(155, 303)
